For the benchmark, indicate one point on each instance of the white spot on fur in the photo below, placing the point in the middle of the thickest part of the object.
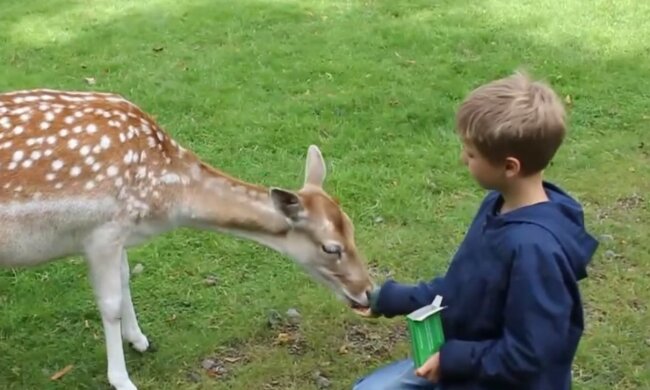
(90, 185)
(50, 140)
(36, 154)
(73, 143)
(18, 155)
(91, 128)
(105, 142)
(64, 132)
(75, 171)
(49, 116)
(18, 130)
(170, 178)
(128, 157)
(50, 177)
(57, 164)
(44, 125)
(27, 163)
(112, 171)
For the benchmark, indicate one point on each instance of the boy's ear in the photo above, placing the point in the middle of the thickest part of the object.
(513, 167)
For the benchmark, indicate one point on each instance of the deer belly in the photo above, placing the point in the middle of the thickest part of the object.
(34, 233)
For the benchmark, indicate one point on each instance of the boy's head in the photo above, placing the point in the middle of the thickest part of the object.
(510, 128)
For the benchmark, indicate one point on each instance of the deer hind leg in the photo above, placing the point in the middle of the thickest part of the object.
(130, 328)
(104, 255)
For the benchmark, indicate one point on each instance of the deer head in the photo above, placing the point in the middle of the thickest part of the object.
(321, 237)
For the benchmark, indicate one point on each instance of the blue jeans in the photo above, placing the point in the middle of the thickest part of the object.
(399, 375)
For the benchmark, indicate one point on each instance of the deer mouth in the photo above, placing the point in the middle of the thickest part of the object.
(355, 304)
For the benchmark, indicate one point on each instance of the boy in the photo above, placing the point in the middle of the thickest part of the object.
(514, 317)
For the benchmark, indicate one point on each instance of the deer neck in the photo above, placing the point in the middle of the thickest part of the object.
(212, 200)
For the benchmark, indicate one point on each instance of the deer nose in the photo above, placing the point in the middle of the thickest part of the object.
(372, 293)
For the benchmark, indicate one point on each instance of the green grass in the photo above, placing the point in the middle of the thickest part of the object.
(249, 85)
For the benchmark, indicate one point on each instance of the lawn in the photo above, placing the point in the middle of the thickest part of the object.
(248, 85)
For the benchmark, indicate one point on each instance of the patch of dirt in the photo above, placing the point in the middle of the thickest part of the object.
(372, 343)
(287, 331)
(627, 203)
(630, 202)
(219, 364)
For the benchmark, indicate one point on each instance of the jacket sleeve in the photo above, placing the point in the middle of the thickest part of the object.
(400, 299)
(537, 321)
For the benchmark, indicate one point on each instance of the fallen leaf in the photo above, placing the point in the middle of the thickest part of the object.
(158, 49)
(322, 382)
(210, 281)
(90, 80)
(283, 338)
(61, 373)
(232, 360)
(208, 364)
(137, 269)
(567, 99)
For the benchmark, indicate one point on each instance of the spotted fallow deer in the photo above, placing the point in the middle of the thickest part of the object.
(85, 173)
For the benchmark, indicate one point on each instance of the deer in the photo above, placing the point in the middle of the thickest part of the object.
(90, 174)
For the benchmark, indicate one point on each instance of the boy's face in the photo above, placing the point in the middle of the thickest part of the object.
(489, 175)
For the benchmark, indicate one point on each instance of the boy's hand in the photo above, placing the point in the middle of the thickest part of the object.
(368, 312)
(430, 369)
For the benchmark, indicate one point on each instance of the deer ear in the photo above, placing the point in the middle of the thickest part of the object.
(315, 170)
(287, 202)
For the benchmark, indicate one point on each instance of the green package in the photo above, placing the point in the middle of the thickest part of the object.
(425, 330)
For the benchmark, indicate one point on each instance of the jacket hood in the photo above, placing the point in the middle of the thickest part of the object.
(563, 217)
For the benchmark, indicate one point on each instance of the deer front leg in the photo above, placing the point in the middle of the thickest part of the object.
(105, 260)
(130, 328)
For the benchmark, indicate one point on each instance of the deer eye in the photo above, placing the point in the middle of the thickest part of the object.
(332, 249)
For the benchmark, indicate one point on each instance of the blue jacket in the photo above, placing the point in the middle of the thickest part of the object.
(514, 314)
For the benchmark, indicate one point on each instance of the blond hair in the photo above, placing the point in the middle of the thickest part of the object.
(514, 117)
